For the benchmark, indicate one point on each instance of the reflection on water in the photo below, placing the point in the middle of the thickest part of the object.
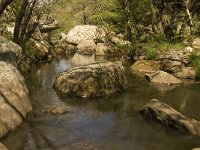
(79, 59)
(110, 123)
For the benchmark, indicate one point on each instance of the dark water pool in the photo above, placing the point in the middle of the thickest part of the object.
(111, 123)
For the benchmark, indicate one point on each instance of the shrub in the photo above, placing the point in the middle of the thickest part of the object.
(151, 54)
(195, 60)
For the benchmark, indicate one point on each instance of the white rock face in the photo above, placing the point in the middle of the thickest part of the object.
(85, 32)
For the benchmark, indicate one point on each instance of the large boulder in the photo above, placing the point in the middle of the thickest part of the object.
(86, 47)
(145, 66)
(9, 51)
(14, 98)
(170, 117)
(162, 77)
(95, 80)
(86, 32)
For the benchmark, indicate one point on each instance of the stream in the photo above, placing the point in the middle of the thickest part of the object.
(111, 123)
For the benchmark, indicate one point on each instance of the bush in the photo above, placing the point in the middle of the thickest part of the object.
(150, 50)
(129, 49)
(195, 60)
(151, 54)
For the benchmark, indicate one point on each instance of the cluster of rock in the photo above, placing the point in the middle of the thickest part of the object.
(38, 48)
(14, 96)
(170, 117)
(170, 66)
(89, 40)
(91, 78)
(94, 80)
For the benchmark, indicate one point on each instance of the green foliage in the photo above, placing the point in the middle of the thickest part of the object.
(151, 54)
(107, 19)
(195, 60)
(163, 46)
(66, 25)
(128, 48)
(150, 50)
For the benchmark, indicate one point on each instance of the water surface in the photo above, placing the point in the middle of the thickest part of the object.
(111, 123)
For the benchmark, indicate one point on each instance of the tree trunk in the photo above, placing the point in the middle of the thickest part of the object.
(128, 31)
(27, 20)
(4, 4)
(84, 15)
(165, 18)
(189, 14)
(153, 20)
(18, 22)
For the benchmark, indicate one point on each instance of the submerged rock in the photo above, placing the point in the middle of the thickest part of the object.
(82, 146)
(162, 77)
(55, 109)
(144, 66)
(95, 80)
(170, 117)
(14, 98)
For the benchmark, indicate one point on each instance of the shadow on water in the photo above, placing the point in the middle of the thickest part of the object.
(110, 123)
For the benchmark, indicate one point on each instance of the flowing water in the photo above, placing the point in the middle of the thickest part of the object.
(111, 123)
